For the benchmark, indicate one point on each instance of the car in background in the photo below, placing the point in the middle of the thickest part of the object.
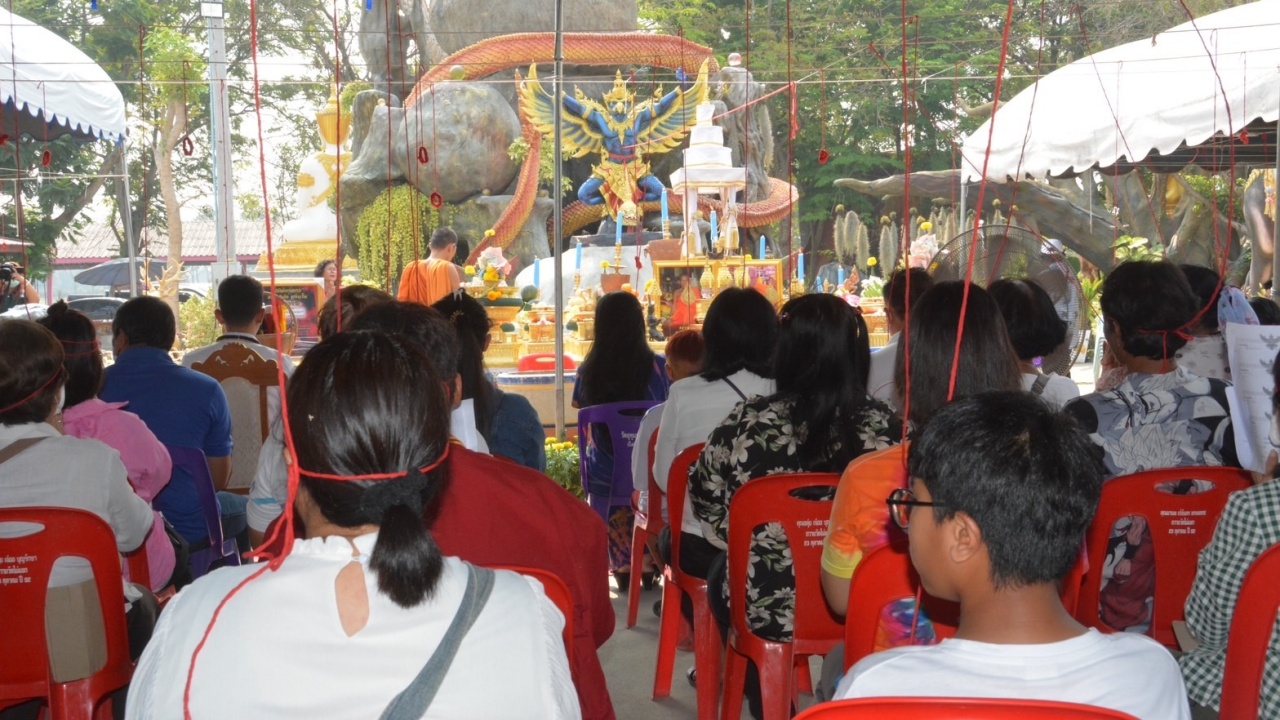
(102, 311)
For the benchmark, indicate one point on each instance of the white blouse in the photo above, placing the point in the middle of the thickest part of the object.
(279, 650)
(693, 409)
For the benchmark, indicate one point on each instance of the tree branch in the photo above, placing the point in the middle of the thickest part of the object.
(67, 215)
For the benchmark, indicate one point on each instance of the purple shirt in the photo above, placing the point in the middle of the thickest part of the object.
(145, 460)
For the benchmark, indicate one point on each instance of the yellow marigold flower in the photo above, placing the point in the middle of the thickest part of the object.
(469, 270)
(871, 262)
(493, 295)
(551, 441)
(604, 264)
(489, 233)
(926, 226)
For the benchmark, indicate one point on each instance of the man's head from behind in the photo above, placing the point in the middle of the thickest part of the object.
(240, 303)
(443, 239)
(1014, 485)
(143, 321)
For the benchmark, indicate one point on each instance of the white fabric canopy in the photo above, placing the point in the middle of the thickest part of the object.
(50, 88)
(1151, 96)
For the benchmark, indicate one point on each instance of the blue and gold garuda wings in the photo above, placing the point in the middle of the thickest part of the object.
(660, 128)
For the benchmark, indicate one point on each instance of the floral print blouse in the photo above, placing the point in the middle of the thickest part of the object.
(758, 439)
(1172, 419)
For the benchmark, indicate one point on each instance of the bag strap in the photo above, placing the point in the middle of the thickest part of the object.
(15, 447)
(1037, 388)
(412, 702)
(735, 389)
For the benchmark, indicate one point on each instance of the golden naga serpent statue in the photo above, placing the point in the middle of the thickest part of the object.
(511, 51)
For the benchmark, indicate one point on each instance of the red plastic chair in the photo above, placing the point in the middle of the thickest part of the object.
(1252, 623)
(883, 576)
(1179, 525)
(956, 709)
(886, 574)
(706, 636)
(648, 524)
(623, 422)
(814, 630)
(24, 664)
(204, 555)
(543, 362)
(559, 594)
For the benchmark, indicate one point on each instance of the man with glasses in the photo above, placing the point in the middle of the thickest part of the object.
(1002, 490)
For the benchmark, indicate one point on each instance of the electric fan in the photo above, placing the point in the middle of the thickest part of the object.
(1013, 252)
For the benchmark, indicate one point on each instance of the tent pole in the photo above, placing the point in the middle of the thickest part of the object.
(126, 217)
(1275, 226)
(556, 221)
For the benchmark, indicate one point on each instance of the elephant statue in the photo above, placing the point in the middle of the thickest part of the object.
(1259, 216)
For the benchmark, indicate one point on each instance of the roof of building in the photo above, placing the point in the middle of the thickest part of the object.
(98, 243)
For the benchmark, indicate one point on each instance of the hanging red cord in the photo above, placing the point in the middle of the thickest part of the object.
(982, 189)
(423, 156)
(285, 534)
(823, 155)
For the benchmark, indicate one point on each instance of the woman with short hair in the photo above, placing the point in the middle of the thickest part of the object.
(1035, 331)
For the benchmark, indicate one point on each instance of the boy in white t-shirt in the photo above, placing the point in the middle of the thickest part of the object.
(1006, 488)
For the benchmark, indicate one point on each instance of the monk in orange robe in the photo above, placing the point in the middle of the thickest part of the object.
(436, 277)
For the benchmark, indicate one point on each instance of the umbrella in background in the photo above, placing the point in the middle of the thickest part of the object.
(50, 88)
(1160, 102)
(116, 273)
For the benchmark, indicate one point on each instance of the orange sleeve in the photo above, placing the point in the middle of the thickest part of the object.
(859, 515)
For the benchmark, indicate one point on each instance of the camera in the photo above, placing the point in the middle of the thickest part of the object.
(7, 280)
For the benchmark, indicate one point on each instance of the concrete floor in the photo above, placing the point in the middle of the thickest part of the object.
(629, 657)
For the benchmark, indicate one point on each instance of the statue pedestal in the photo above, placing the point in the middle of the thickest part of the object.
(294, 256)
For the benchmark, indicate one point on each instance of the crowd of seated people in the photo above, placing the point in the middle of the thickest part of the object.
(392, 520)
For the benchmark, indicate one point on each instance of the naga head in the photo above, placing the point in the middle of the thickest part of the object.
(619, 99)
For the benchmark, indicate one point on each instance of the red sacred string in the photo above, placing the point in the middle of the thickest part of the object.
(56, 374)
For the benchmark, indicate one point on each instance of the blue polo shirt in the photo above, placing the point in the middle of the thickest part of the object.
(182, 407)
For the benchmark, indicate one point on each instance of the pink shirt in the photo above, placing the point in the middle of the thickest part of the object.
(145, 459)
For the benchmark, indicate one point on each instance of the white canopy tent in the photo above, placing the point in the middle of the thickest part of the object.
(1164, 102)
(49, 88)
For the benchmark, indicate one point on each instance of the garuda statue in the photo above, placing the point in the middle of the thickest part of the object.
(620, 130)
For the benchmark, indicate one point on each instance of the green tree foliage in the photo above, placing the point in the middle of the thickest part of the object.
(847, 58)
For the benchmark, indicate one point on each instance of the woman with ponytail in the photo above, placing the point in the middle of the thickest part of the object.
(507, 422)
(361, 615)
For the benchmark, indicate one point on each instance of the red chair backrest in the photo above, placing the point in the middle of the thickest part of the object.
(543, 362)
(770, 500)
(1179, 525)
(649, 517)
(559, 594)
(1252, 623)
(885, 575)
(24, 663)
(677, 489)
(956, 709)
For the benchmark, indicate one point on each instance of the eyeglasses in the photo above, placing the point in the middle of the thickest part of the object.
(900, 502)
